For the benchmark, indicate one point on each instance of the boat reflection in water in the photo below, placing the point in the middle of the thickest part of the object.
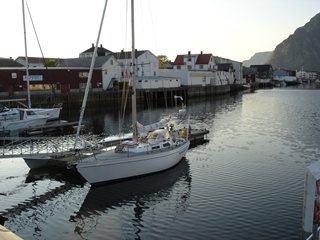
(132, 199)
(56, 173)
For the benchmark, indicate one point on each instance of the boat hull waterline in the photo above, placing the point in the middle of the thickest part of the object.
(107, 168)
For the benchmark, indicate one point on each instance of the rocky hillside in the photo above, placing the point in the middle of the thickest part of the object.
(257, 59)
(299, 50)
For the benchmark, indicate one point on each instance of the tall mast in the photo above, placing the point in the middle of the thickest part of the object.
(25, 47)
(84, 102)
(134, 98)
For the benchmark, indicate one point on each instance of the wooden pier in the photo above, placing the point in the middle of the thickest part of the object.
(52, 126)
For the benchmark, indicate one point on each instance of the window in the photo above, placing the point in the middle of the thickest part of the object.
(154, 73)
(178, 67)
(166, 144)
(189, 67)
(201, 66)
(83, 74)
(111, 62)
(189, 59)
(105, 71)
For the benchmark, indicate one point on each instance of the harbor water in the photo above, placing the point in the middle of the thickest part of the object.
(246, 182)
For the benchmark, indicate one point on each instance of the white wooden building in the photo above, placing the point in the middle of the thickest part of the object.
(306, 75)
(204, 69)
(157, 82)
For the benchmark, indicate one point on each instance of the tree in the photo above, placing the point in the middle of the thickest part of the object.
(163, 58)
(50, 63)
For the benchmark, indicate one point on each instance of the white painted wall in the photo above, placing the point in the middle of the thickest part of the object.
(147, 64)
(182, 74)
(158, 82)
(110, 69)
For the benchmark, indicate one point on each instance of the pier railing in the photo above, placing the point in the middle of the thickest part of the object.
(17, 146)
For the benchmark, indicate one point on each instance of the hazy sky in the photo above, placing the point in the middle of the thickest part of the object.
(233, 29)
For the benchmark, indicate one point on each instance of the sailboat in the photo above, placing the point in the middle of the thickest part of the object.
(14, 119)
(144, 154)
(52, 113)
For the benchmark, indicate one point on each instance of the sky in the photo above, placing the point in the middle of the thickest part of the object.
(232, 29)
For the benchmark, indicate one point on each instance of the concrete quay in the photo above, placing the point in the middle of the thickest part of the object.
(6, 234)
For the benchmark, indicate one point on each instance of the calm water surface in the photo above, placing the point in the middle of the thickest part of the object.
(245, 183)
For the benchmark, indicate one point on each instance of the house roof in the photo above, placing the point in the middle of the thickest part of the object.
(224, 66)
(248, 71)
(203, 58)
(8, 62)
(178, 60)
(101, 51)
(84, 62)
(38, 60)
(127, 55)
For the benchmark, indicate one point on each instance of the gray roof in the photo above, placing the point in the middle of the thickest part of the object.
(247, 70)
(84, 62)
(101, 51)
(8, 62)
(224, 66)
(127, 55)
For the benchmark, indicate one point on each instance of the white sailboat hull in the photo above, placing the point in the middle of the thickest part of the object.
(37, 161)
(110, 166)
(51, 113)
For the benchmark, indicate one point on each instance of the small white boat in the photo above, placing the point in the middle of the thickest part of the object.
(24, 118)
(6, 113)
(52, 113)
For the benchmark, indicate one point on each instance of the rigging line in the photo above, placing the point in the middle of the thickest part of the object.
(52, 87)
(153, 28)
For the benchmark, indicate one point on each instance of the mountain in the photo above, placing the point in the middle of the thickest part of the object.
(257, 59)
(299, 50)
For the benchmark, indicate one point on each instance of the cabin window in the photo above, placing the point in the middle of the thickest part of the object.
(166, 145)
(155, 147)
